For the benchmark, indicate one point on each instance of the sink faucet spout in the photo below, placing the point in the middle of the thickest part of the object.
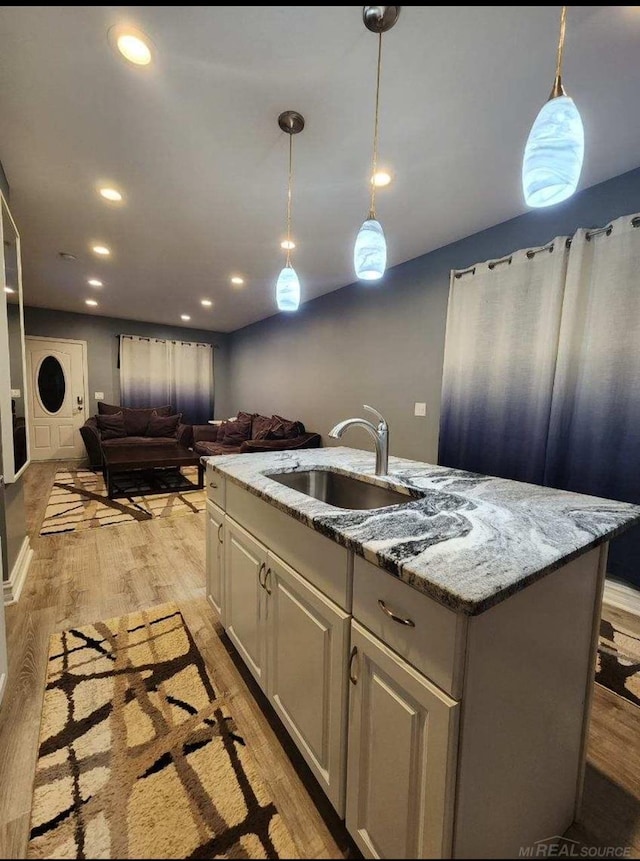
(379, 432)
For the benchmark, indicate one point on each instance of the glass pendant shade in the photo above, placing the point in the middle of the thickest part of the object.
(370, 251)
(554, 154)
(288, 290)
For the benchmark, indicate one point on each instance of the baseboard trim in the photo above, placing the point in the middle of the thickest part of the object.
(622, 596)
(13, 586)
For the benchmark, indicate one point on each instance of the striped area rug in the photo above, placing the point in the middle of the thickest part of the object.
(139, 757)
(79, 501)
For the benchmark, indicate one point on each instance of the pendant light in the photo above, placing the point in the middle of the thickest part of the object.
(554, 152)
(370, 251)
(288, 284)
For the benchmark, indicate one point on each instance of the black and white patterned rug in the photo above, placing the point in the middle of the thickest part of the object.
(618, 664)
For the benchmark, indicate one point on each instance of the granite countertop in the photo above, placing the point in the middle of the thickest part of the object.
(469, 541)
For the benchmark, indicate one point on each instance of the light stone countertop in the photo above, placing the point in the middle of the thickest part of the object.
(469, 541)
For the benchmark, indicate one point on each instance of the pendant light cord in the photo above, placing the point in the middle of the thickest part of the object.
(558, 89)
(372, 210)
(289, 200)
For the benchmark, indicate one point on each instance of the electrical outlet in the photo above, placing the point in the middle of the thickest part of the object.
(99, 396)
(16, 393)
(420, 409)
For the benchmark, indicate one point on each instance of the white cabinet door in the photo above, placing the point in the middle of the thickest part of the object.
(402, 753)
(215, 558)
(307, 642)
(245, 565)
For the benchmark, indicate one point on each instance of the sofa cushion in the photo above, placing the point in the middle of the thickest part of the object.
(163, 426)
(235, 433)
(112, 426)
(140, 440)
(261, 426)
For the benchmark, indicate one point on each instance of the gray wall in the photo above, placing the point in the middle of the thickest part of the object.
(384, 345)
(101, 333)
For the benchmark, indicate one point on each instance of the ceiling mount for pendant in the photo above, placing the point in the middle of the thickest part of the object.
(379, 19)
(291, 122)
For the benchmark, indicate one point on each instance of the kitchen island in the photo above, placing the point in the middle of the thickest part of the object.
(433, 659)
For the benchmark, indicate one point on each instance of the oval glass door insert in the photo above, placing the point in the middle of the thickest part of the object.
(51, 384)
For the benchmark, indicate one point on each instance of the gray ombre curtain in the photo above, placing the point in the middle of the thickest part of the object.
(154, 372)
(503, 325)
(541, 379)
(594, 432)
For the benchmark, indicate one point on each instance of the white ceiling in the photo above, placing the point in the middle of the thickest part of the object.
(193, 140)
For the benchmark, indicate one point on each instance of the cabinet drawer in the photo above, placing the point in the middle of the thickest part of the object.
(321, 561)
(434, 645)
(216, 485)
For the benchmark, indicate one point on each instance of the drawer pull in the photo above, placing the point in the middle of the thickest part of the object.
(213, 485)
(220, 540)
(261, 569)
(408, 622)
(354, 654)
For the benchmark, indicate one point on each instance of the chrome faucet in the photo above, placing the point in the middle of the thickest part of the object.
(380, 436)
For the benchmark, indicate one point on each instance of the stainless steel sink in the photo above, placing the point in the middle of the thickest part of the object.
(343, 491)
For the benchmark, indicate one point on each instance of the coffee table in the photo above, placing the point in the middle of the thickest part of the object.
(134, 470)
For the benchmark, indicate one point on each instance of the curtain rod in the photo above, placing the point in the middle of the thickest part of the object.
(531, 253)
(169, 341)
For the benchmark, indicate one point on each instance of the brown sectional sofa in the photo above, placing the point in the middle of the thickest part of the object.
(251, 432)
(136, 423)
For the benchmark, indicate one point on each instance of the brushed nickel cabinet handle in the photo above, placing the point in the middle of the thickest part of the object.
(260, 570)
(399, 619)
(220, 539)
(267, 577)
(354, 654)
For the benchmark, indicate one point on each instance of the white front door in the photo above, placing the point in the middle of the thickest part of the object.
(56, 371)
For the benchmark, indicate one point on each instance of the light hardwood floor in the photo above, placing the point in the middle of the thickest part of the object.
(100, 573)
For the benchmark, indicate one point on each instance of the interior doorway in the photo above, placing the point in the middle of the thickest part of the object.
(58, 394)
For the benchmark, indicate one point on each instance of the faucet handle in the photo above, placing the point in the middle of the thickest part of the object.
(378, 415)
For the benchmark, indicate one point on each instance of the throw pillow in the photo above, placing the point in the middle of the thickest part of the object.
(285, 429)
(111, 426)
(112, 409)
(260, 427)
(166, 426)
(137, 421)
(235, 433)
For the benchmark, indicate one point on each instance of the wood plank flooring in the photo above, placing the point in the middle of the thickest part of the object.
(83, 577)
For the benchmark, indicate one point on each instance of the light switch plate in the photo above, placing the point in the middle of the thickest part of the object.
(420, 409)
(99, 396)
(16, 393)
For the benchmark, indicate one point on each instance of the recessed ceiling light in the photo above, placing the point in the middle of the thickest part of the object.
(237, 280)
(288, 244)
(207, 303)
(9, 290)
(93, 282)
(133, 44)
(185, 317)
(102, 250)
(111, 194)
(91, 302)
(381, 178)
